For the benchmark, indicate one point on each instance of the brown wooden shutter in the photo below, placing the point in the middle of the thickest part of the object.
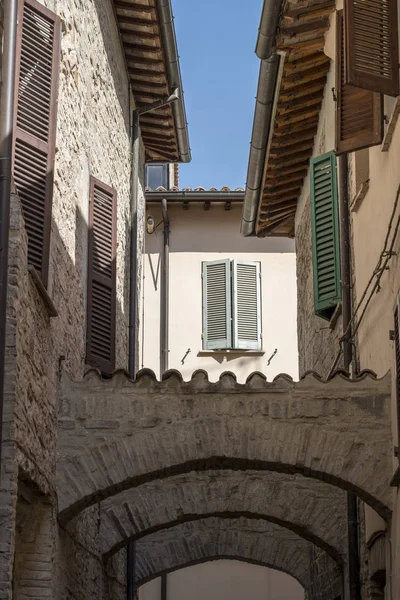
(359, 113)
(37, 66)
(101, 300)
(372, 45)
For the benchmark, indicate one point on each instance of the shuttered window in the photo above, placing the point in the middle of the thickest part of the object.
(37, 68)
(325, 235)
(246, 305)
(372, 46)
(101, 301)
(359, 112)
(231, 305)
(217, 315)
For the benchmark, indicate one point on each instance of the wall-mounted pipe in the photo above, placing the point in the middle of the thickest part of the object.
(133, 303)
(7, 93)
(267, 81)
(345, 259)
(268, 26)
(164, 586)
(167, 28)
(164, 308)
(269, 70)
(130, 571)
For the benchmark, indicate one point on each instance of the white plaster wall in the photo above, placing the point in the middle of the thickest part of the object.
(196, 236)
(225, 580)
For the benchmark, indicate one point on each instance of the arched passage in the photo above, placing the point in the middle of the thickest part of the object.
(312, 509)
(225, 578)
(118, 434)
(209, 539)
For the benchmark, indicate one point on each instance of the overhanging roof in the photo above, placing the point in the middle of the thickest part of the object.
(148, 37)
(300, 38)
(198, 195)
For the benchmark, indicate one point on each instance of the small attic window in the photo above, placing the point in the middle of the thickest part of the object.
(157, 175)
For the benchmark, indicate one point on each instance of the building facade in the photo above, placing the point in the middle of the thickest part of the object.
(204, 246)
(332, 139)
(205, 249)
(77, 196)
(112, 477)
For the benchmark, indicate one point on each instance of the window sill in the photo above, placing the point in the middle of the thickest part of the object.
(47, 301)
(230, 353)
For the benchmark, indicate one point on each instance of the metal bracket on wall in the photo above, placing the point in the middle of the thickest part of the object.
(188, 351)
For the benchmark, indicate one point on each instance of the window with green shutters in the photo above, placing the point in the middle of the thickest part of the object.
(325, 235)
(231, 305)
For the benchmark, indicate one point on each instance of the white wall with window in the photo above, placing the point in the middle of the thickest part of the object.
(232, 300)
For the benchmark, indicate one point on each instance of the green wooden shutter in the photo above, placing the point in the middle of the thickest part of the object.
(325, 235)
(246, 305)
(217, 329)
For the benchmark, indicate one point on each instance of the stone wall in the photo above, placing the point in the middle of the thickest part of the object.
(326, 580)
(337, 431)
(93, 138)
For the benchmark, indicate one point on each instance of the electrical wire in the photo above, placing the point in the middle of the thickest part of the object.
(374, 281)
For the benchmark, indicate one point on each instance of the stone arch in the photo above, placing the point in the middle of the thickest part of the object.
(117, 434)
(212, 538)
(311, 509)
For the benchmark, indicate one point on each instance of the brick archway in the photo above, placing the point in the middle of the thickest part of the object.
(310, 508)
(117, 434)
(209, 539)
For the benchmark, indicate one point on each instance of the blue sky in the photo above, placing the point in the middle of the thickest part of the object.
(216, 41)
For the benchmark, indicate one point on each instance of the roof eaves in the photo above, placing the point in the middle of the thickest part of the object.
(168, 34)
(269, 71)
(293, 123)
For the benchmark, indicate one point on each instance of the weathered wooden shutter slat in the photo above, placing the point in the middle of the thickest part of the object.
(325, 234)
(246, 305)
(359, 112)
(372, 46)
(101, 324)
(35, 124)
(217, 329)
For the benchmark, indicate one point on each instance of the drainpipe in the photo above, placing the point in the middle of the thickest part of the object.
(133, 301)
(164, 342)
(131, 571)
(267, 81)
(135, 164)
(345, 258)
(267, 31)
(164, 587)
(6, 143)
(135, 154)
